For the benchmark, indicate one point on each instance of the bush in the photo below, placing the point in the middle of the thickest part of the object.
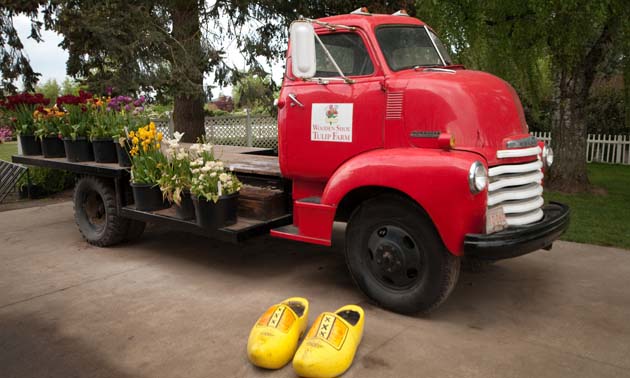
(45, 181)
(605, 113)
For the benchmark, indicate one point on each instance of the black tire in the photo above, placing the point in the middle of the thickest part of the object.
(135, 230)
(396, 256)
(95, 212)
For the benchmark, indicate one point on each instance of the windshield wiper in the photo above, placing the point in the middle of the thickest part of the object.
(427, 66)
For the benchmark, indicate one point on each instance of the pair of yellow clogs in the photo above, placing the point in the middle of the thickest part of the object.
(327, 350)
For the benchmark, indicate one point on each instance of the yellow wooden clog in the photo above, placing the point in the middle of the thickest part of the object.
(330, 345)
(274, 338)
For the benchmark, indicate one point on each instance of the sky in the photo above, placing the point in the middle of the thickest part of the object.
(49, 59)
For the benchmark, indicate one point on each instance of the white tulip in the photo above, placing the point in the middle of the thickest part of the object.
(178, 136)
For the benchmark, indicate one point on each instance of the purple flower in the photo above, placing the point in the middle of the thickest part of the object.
(139, 101)
(140, 109)
(128, 107)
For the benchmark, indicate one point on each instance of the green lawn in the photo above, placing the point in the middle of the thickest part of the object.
(600, 218)
(7, 149)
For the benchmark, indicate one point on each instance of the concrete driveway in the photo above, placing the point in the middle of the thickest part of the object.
(177, 305)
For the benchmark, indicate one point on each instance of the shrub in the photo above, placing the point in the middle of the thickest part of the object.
(45, 181)
(605, 113)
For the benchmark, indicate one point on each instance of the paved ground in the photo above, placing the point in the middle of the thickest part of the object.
(175, 305)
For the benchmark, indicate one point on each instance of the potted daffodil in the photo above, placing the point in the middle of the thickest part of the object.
(147, 162)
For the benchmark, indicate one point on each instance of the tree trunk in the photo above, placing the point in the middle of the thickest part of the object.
(187, 67)
(568, 130)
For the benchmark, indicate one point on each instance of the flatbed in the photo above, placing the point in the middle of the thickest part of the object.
(256, 167)
(245, 160)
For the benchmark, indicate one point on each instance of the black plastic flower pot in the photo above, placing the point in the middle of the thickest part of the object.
(218, 214)
(186, 209)
(104, 150)
(52, 147)
(148, 197)
(79, 149)
(122, 152)
(30, 145)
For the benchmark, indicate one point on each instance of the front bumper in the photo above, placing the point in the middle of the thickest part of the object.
(517, 241)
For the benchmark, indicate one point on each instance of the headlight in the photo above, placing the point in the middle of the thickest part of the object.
(477, 177)
(547, 156)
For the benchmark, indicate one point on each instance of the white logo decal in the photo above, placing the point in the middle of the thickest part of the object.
(331, 123)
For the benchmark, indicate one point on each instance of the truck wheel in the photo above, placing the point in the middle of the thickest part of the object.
(396, 257)
(95, 212)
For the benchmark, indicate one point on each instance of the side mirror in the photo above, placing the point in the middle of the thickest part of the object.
(302, 38)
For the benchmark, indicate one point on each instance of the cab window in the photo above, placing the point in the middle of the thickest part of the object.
(349, 52)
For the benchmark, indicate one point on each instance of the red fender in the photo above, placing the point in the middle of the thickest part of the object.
(436, 179)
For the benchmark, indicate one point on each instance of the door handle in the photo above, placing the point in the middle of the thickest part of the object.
(295, 101)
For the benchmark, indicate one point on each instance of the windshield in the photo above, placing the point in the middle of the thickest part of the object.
(411, 46)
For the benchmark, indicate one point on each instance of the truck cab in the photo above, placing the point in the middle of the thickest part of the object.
(427, 162)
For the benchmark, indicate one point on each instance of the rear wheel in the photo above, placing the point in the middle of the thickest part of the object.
(396, 256)
(95, 212)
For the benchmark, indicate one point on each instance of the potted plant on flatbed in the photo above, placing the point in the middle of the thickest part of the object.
(176, 178)
(116, 119)
(20, 110)
(147, 162)
(48, 121)
(132, 118)
(75, 126)
(214, 191)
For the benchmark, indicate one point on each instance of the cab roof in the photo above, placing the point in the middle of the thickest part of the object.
(370, 21)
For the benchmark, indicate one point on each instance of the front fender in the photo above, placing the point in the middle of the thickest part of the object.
(436, 179)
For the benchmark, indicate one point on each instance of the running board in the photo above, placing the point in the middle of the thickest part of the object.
(312, 223)
(293, 233)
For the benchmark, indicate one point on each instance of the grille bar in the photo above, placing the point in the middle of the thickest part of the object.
(516, 180)
(517, 193)
(527, 218)
(515, 207)
(515, 168)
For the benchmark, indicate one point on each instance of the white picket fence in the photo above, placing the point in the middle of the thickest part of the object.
(247, 130)
(612, 149)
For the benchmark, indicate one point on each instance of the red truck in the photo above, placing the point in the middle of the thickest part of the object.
(427, 163)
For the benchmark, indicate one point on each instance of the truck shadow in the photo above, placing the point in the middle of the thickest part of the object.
(33, 347)
(479, 299)
(263, 258)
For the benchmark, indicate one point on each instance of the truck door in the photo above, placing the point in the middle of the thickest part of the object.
(326, 122)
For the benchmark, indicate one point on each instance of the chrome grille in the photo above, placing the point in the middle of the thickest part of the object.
(518, 189)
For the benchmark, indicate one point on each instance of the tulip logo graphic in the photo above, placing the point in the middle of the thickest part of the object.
(332, 114)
